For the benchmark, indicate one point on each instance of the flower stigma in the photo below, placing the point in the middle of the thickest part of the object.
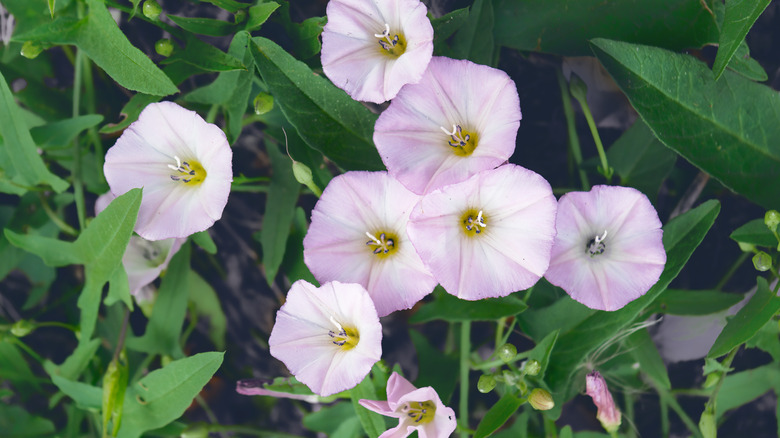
(383, 246)
(345, 337)
(462, 143)
(420, 412)
(596, 245)
(392, 46)
(187, 171)
(473, 222)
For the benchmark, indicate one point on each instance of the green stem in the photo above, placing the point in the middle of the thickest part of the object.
(500, 331)
(740, 260)
(70, 327)
(78, 185)
(664, 417)
(668, 398)
(550, 429)
(212, 114)
(244, 430)
(629, 400)
(89, 99)
(27, 349)
(574, 141)
(465, 348)
(726, 363)
(605, 169)
(65, 228)
(209, 414)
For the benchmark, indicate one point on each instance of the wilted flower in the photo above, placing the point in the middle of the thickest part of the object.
(608, 250)
(372, 48)
(328, 337)
(143, 260)
(416, 409)
(182, 163)
(460, 119)
(358, 235)
(488, 236)
(608, 414)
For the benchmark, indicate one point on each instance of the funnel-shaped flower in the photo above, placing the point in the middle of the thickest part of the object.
(460, 119)
(608, 250)
(488, 236)
(358, 235)
(372, 48)
(608, 414)
(182, 163)
(328, 337)
(416, 409)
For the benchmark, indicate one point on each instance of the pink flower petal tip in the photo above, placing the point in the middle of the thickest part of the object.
(608, 414)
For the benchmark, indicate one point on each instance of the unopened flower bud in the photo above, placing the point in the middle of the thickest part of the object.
(22, 328)
(532, 367)
(577, 87)
(772, 220)
(707, 425)
(164, 47)
(195, 431)
(152, 10)
(31, 49)
(746, 247)
(762, 261)
(608, 414)
(239, 16)
(541, 399)
(263, 103)
(506, 353)
(486, 383)
(711, 380)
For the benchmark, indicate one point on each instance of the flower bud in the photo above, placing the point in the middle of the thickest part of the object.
(195, 431)
(507, 353)
(486, 383)
(239, 16)
(541, 399)
(772, 220)
(608, 414)
(152, 10)
(22, 328)
(707, 425)
(762, 261)
(746, 247)
(164, 47)
(577, 88)
(31, 49)
(532, 367)
(263, 103)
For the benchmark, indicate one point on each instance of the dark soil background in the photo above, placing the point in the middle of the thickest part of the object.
(250, 304)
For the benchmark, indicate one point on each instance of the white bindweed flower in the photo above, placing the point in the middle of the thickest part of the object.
(460, 119)
(372, 48)
(609, 248)
(328, 337)
(358, 235)
(488, 236)
(183, 164)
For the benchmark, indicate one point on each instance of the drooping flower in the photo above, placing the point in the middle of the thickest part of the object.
(460, 119)
(372, 48)
(183, 164)
(416, 409)
(328, 337)
(358, 235)
(143, 259)
(488, 236)
(608, 250)
(608, 414)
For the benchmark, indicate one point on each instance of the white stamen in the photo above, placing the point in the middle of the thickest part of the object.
(371, 236)
(333, 320)
(480, 220)
(178, 164)
(599, 239)
(385, 34)
(454, 130)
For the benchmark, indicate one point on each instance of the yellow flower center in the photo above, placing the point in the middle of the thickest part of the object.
(345, 337)
(461, 141)
(391, 45)
(382, 244)
(189, 172)
(474, 222)
(420, 412)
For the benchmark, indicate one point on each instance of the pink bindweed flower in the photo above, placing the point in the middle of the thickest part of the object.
(358, 235)
(372, 48)
(328, 337)
(143, 260)
(488, 236)
(182, 163)
(416, 409)
(608, 414)
(609, 248)
(460, 119)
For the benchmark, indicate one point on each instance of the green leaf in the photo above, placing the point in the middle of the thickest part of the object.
(72, 367)
(60, 134)
(450, 308)
(498, 414)
(739, 18)
(756, 233)
(748, 67)
(305, 36)
(205, 242)
(373, 423)
(259, 13)
(694, 302)
(564, 314)
(730, 128)
(640, 160)
(15, 422)
(474, 41)
(542, 351)
(165, 325)
(205, 56)
(740, 388)
(119, 288)
(15, 369)
(204, 26)
(767, 339)
(437, 369)
(19, 157)
(337, 421)
(279, 210)
(565, 26)
(748, 321)
(681, 237)
(231, 6)
(207, 304)
(446, 25)
(164, 394)
(324, 116)
(86, 396)
(645, 353)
